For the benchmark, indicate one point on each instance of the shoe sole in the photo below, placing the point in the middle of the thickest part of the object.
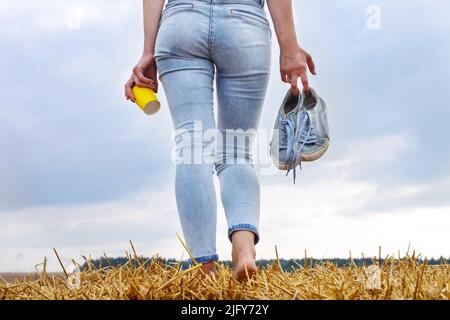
(305, 157)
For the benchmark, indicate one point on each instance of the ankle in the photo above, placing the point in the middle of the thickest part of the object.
(208, 267)
(243, 243)
(244, 251)
(240, 237)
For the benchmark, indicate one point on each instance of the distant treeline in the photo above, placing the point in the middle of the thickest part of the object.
(286, 265)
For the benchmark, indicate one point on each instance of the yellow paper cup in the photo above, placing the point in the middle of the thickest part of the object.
(146, 99)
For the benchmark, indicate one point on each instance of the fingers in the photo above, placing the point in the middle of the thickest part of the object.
(153, 73)
(305, 82)
(283, 75)
(293, 80)
(310, 63)
(302, 73)
(297, 66)
(294, 87)
(139, 76)
(142, 81)
(128, 92)
(150, 84)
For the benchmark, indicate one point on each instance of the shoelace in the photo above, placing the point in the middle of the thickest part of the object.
(288, 135)
(296, 139)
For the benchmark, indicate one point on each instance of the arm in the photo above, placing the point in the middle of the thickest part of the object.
(294, 61)
(145, 73)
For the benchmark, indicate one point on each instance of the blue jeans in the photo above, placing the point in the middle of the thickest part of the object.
(230, 40)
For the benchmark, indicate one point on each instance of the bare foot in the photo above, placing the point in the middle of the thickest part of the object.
(243, 254)
(207, 268)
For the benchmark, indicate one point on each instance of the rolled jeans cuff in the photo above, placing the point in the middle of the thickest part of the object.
(244, 226)
(204, 259)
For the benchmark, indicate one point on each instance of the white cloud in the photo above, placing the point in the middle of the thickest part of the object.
(311, 216)
(363, 156)
(352, 199)
(149, 219)
(331, 235)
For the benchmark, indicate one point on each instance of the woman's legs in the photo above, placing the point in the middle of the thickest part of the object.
(189, 91)
(242, 54)
(188, 44)
(187, 75)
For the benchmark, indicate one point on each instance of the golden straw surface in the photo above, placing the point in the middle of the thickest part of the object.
(406, 278)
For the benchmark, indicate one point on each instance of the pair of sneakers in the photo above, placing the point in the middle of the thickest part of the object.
(301, 131)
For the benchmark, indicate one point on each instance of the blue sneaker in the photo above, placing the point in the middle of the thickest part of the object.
(301, 131)
(283, 135)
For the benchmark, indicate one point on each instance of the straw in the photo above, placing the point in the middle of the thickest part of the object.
(397, 279)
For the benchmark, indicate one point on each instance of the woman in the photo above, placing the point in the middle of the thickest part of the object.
(189, 44)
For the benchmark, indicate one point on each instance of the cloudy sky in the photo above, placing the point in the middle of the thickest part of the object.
(85, 171)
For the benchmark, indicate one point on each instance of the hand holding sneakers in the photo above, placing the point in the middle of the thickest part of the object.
(301, 131)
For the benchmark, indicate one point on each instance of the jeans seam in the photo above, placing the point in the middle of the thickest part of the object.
(210, 30)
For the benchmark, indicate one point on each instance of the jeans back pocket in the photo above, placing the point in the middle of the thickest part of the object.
(251, 14)
(174, 7)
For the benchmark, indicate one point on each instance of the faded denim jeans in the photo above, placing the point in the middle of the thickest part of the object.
(197, 41)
